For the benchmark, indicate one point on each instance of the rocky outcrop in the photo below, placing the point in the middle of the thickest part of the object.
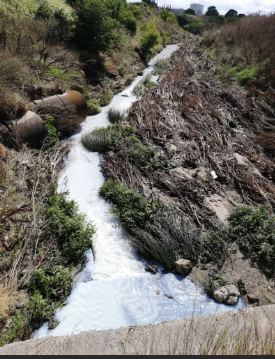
(68, 110)
(183, 266)
(228, 295)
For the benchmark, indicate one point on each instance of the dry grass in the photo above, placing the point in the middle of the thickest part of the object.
(7, 299)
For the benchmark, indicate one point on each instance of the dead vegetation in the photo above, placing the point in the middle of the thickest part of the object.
(208, 132)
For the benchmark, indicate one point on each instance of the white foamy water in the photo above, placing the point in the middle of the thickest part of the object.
(114, 290)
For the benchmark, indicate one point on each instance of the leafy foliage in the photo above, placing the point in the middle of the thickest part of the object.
(150, 38)
(93, 107)
(182, 19)
(48, 123)
(129, 207)
(94, 25)
(73, 233)
(212, 11)
(106, 139)
(52, 283)
(254, 230)
(247, 76)
(106, 98)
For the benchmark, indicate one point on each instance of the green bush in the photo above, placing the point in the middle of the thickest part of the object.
(106, 98)
(141, 155)
(44, 11)
(150, 38)
(94, 25)
(182, 20)
(167, 16)
(106, 139)
(196, 28)
(135, 11)
(254, 230)
(128, 19)
(52, 283)
(115, 116)
(52, 131)
(93, 107)
(160, 66)
(247, 76)
(130, 208)
(73, 233)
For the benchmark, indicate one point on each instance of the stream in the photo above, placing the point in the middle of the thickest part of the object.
(114, 290)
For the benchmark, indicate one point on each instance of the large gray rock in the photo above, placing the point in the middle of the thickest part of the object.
(228, 295)
(183, 266)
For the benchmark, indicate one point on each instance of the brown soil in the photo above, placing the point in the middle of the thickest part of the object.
(208, 133)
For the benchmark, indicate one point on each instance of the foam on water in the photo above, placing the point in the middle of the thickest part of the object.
(114, 290)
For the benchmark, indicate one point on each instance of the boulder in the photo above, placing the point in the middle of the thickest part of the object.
(29, 129)
(68, 110)
(228, 294)
(183, 266)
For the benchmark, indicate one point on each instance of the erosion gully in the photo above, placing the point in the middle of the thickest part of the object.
(114, 290)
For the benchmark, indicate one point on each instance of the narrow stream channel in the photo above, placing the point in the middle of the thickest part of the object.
(114, 290)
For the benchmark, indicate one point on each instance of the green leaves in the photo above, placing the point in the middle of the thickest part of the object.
(130, 208)
(254, 230)
(73, 233)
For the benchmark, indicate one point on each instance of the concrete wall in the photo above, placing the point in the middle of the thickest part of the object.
(253, 328)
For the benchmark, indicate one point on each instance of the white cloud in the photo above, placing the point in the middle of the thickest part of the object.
(244, 6)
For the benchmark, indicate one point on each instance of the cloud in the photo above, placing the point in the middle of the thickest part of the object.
(244, 6)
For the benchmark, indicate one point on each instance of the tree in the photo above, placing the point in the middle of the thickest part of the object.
(241, 15)
(150, 38)
(182, 20)
(190, 12)
(94, 25)
(150, 3)
(212, 11)
(231, 13)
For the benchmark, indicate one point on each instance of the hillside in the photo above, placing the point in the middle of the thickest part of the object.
(28, 7)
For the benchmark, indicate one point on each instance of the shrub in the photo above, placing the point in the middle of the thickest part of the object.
(53, 283)
(150, 38)
(142, 87)
(106, 139)
(129, 207)
(115, 116)
(94, 25)
(182, 20)
(128, 19)
(196, 28)
(93, 107)
(247, 76)
(44, 11)
(142, 155)
(52, 132)
(106, 98)
(73, 233)
(160, 66)
(254, 230)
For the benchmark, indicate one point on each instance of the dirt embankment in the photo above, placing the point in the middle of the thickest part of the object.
(203, 128)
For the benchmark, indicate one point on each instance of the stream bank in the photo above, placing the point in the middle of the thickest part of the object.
(114, 290)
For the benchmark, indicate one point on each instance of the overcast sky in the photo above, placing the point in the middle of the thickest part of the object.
(242, 6)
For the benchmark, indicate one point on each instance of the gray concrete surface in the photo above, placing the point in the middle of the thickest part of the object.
(250, 329)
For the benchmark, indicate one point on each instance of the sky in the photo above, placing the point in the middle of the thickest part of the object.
(242, 6)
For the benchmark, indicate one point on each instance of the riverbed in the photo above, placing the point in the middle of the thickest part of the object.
(114, 290)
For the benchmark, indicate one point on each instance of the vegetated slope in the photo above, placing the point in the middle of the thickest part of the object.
(47, 48)
(206, 160)
(28, 7)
